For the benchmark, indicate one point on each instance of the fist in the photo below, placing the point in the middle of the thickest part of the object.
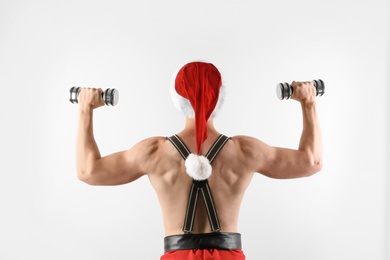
(90, 98)
(304, 92)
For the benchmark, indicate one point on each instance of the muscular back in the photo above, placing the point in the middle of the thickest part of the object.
(232, 172)
(228, 182)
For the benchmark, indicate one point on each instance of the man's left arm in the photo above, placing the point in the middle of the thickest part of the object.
(115, 169)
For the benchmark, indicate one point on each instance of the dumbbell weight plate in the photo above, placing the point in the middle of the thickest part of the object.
(283, 91)
(74, 93)
(111, 97)
(320, 87)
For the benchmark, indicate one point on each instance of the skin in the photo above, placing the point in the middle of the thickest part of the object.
(233, 168)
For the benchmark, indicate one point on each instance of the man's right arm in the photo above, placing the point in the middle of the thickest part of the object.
(282, 163)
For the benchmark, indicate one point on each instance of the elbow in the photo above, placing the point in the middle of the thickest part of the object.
(86, 177)
(314, 166)
(88, 172)
(316, 163)
(83, 175)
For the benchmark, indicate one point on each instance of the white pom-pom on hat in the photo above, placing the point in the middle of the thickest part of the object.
(198, 167)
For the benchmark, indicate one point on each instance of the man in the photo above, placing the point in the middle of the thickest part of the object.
(199, 175)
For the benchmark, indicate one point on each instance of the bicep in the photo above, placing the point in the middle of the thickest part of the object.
(123, 167)
(274, 162)
(283, 163)
(113, 169)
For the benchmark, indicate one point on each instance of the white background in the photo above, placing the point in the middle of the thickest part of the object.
(135, 46)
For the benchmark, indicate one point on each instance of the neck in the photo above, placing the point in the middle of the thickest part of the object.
(188, 134)
(190, 130)
(190, 126)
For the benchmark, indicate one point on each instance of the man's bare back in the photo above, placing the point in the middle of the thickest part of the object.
(227, 182)
(232, 169)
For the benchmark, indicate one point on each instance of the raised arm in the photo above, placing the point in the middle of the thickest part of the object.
(118, 168)
(285, 163)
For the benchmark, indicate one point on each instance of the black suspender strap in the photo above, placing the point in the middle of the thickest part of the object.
(203, 188)
(216, 147)
(180, 146)
(200, 186)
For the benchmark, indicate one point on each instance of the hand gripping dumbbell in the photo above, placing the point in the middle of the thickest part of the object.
(110, 96)
(284, 90)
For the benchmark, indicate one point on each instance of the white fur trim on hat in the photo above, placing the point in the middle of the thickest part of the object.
(198, 167)
(221, 100)
(181, 103)
(184, 105)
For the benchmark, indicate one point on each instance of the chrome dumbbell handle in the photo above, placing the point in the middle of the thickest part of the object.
(110, 96)
(284, 90)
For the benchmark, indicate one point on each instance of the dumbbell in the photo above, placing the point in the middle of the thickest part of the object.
(284, 90)
(110, 96)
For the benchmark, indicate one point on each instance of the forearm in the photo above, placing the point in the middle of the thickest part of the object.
(311, 138)
(87, 151)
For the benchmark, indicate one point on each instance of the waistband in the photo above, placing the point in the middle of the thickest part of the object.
(216, 240)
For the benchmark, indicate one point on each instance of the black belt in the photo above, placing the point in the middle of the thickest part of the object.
(217, 240)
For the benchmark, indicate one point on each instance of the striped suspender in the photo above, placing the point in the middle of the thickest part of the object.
(180, 146)
(200, 186)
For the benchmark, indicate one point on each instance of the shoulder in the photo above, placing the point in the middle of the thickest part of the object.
(146, 149)
(254, 152)
(154, 147)
(152, 141)
(147, 153)
(247, 144)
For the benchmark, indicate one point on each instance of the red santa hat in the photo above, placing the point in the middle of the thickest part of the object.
(198, 92)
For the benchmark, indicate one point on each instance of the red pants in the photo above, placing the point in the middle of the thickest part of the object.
(204, 254)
